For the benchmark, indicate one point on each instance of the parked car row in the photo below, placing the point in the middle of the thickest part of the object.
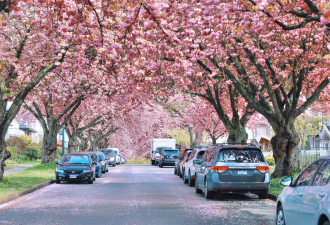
(225, 168)
(85, 166)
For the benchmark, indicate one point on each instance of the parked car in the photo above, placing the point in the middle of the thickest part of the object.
(306, 200)
(75, 167)
(158, 152)
(122, 160)
(110, 155)
(183, 162)
(168, 157)
(190, 167)
(230, 168)
(104, 162)
(178, 161)
(97, 162)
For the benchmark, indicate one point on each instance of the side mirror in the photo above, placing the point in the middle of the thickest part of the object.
(56, 162)
(196, 161)
(287, 181)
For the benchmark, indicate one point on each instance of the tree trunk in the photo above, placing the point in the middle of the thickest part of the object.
(237, 135)
(4, 155)
(286, 151)
(214, 140)
(93, 147)
(73, 144)
(49, 147)
(83, 146)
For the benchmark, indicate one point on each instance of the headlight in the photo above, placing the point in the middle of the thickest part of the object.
(59, 170)
(157, 157)
(86, 171)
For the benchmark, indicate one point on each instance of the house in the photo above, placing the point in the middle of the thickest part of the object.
(261, 136)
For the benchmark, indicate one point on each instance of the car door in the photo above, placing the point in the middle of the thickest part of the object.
(208, 169)
(316, 195)
(201, 170)
(294, 210)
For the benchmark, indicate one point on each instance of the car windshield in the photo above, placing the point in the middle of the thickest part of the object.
(75, 159)
(244, 155)
(107, 152)
(200, 155)
(171, 152)
(100, 156)
(94, 157)
(159, 150)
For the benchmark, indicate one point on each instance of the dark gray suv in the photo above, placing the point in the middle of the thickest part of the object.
(168, 157)
(232, 168)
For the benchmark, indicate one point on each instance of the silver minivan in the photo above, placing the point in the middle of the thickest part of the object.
(306, 200)
(232, 168)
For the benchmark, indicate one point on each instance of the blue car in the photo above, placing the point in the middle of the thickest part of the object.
(104, 162)
(97, 162)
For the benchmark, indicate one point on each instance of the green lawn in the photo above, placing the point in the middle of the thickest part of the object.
(275, 187)
(22, 163)
(20, 181)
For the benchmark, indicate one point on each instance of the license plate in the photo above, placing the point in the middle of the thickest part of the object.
(242, 172)
(171, 157)
(73, 176)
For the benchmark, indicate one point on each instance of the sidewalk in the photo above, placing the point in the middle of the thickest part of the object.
(21, 168)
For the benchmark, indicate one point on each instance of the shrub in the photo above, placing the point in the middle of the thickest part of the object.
(134, 160)
(22, 158)
(270, 160)
(33, 153)
(12, 151)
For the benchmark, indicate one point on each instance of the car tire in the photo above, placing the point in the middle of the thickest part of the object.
(58, 181)
(180, 174)
(175, 170)
(208, 194)
(263, 195)
(191, 181)
(326, 223)
(161, 165)
(197, 190)
(107, 170)
(90, 181)
(280, 216)
(178, 171)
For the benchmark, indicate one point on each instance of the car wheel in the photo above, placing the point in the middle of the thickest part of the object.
(58, 181)
(263, 195)
(185, 179)
(161, 165)
(94, 177)
(178, 171)
(180, 174)
(191, 180)
(91, 180)
(107, 169)
(280, 216)
(208, 194)
(197, 190)
(114, 165)
(175, 170)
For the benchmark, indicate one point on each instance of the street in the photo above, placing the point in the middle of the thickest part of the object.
(134, 194)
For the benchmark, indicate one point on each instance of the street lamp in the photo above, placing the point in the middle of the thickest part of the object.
(63, 139)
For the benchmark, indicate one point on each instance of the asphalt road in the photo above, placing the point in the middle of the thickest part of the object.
(134, 194)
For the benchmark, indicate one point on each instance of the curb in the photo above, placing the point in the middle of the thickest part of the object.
(27, 191)
(272, 197)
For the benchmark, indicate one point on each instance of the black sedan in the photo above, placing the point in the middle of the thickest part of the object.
(75, 167)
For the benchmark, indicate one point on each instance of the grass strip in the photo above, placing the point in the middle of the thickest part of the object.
(11, 167)
(275, 186)
(20, 181)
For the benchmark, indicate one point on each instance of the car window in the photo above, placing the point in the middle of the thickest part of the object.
(323, 175)
(306, 176)
(206, 156)
(192, 155)
(200, 155)
(211, 157)
(244, 155)
(171, 152)
(101, 157)
(94, 157)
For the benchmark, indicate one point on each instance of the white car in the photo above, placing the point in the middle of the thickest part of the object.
(306, 200)
(190, 167)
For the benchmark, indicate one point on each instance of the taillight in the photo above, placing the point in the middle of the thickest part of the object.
(163, 157)
(263, 169)
(220, 169)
